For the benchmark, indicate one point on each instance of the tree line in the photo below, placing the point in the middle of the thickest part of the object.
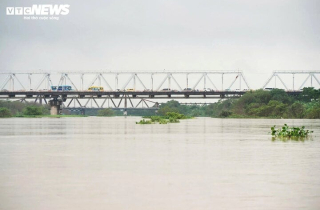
(19, 109)
(260, 103)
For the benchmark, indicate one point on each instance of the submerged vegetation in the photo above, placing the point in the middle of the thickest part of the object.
(169, 117)
(286, 132)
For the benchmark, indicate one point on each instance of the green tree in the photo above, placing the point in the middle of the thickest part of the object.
(260, 97)
(313, 113)
(164, 109)
(281, 96)
(106, 112)
(5, 112)
(308, 94)
(225, 113)
(297, 109)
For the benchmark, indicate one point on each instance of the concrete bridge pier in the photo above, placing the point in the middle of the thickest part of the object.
(55, 106)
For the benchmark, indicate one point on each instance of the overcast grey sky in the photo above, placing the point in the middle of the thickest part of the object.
(254, 36)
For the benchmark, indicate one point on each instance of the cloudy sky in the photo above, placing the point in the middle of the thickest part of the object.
(254, 36)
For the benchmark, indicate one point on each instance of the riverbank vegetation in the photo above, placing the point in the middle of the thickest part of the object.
(5, 112)
(255, 104)
(106, 113)
(27, 110)
(18, 109)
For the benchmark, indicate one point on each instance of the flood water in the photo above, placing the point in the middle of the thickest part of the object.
(112, 163)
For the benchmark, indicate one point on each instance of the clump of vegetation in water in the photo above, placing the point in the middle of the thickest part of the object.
(169, 117)
(287, 132)
(143, 121)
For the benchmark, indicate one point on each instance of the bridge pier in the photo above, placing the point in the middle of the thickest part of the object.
(55, 106)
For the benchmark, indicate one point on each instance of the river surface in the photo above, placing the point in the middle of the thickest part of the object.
(112, 163)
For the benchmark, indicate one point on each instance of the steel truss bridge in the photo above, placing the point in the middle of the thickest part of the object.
(141, 89)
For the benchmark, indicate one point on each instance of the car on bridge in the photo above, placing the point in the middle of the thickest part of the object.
(61, 88)
(208, 90)
(188, 89)
(166, 89)
(95, 88)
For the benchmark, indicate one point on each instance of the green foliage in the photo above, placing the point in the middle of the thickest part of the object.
(271, 104)
(33, 110)
(170, 106)
(155, 118)
(17, 108)
(106, 112)
(175, 115)
(289, 132)
(5, 112)
(215, 110)
(313, 113)
(163, 121)
(281, 96)
(173, 120)
(188, 110)
(278, 104)
(297, 110)
(143, 121)
(309, 94)
(225, 113)
(170, 117)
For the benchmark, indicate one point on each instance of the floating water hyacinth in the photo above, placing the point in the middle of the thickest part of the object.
(290, 132)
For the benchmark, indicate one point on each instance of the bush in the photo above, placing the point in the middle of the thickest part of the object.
(163, 121)
(173, 120)
(33, 110)
(314, 113)
(297, 110)
(175, 115)
(143, 121)
(225, 113)
(5, 112)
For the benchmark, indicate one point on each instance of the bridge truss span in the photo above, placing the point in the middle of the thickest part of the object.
(311, 76)
(138, 80)
(139, 88)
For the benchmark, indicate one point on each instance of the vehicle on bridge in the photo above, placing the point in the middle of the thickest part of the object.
(95, 88)
(166, 89)
(188, 89)
(61, 88)
(208, 90)
(130, 89)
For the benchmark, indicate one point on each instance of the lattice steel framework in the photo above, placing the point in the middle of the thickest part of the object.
(104, 78)
(310, 75)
